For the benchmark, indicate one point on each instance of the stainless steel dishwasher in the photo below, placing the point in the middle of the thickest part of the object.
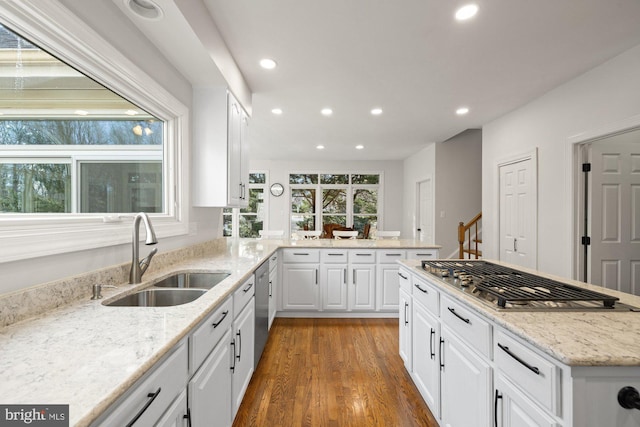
(262, 310)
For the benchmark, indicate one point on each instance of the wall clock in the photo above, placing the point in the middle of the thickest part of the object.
(277, 189)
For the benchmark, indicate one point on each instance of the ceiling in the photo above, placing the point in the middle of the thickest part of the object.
(412, 59)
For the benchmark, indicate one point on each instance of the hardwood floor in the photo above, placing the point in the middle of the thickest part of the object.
(332, 372)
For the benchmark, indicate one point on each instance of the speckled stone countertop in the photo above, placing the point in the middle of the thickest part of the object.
(575, 338)
(86, 354)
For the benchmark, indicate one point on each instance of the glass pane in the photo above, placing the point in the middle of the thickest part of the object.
(303, 201)
(334, 179)
(335, 219)
(256, 201)
(35, 188)
(120, 187)
(302, 222)
(227, 210)
(257, 178)
(303, 178)
(359, 222)
(365, 201)
(227, 225)
(334, 200)
(249, 226)
(365, 179)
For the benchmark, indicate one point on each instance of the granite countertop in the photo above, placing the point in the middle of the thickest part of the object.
(575, 338)
(86, 354)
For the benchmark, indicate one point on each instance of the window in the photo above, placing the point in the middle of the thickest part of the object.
(76, 158)
(250, 220)
(350, 200)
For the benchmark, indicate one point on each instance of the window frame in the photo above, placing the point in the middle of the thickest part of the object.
(56, 29)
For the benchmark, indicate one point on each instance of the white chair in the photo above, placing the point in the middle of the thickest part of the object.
(337, 234)
(271, 234)
(387, 235)
(309, 234)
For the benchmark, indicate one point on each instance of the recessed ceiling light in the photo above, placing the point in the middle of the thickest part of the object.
(466, 12)
(277, 111)
(320, 147)
(268, 64)
(131, 112)
(81, 112)
(144, 9)
(326, 111)
(462, 111)
(359, 147)
(376, 111)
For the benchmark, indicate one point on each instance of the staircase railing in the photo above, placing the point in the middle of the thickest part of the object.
(465, 235)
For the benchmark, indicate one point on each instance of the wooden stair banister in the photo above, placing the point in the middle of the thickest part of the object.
(464, 234)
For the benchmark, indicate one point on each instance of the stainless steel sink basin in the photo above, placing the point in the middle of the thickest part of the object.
(158, 298)
(193, 280)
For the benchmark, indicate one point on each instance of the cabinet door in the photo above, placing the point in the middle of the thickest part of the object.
(234, 141)
(209, 389)
(362, 287)
(300, 289)
(243, 336)
(405, 324)
(244, 160)
(177, 415)
(514, 409)
(426, 362)
(273, 292)
(387, 285)
(333, 281)
(467, 396)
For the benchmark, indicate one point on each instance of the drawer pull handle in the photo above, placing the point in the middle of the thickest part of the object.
(216, 324)
(152, 397)
(464, 319)
(422, 290)
(394, 255)
(330, 254)
(301, 253)
(248, 288)
(403, 276)
(431, 343)
(364, 254)
(525, 364)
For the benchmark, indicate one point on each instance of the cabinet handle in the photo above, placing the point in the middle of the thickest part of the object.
(301, 253)
(353, 278)
(432, 337)
(465, 320)
(427, 255)
(364, 254)
(248, 288)
(418, 286)
(240, 195)
(216, 324)
(270, 288)
(330, 254)
(152, 397)
(533, 369)
(515, 245)
(406, 305)
(403, 276)
(440, 350)
(495, 407)
(394, 255)
(233, 367)
(344, 276)
(316, 276)
(187, 417)
(239, 335)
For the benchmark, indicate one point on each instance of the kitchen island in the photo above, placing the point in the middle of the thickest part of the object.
(88, 355)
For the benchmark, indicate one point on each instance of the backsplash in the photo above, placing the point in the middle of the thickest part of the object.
(26, 303)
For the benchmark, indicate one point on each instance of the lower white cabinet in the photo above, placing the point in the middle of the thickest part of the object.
(361, 287)
(178, 414)
(514, 409)
(243, 346)
(426, 356)
(300, 286)
(405, 324)
(333, 282)
(274, 285)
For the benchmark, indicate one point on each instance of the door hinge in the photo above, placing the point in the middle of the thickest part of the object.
(586, 167)
(586, 240)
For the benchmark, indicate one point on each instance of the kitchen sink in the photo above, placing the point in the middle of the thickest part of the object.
(158, 298)
(193, 280)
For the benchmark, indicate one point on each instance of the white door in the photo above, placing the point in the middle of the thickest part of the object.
(615, 213)
(425, 211)
(518, 206)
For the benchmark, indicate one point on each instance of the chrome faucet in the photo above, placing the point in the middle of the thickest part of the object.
(139, 267)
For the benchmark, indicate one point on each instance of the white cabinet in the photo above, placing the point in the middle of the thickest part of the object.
(220, 149)
(514, 409)
(300, 279)
(361, 280)
(243, 346)
(334, 286)
(274, 285)
(426, 358)
(387, 279)
(178, 414)
(405, 324)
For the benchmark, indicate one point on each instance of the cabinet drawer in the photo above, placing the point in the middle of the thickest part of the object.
(360, 256)
(333, 256)
(149, 400)
(243, 294)
(404, 277)
(390, 256)
(473, 330)
(207, 335)
(537, 376)
(426, 294)
(422, 253)
(301, 255)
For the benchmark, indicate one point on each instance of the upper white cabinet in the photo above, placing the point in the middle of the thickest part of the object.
(220, 154)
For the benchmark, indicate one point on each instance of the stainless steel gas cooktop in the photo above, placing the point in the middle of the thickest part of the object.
(504, 288)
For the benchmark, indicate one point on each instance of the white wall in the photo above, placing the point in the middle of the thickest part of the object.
(601, 97)
(105, 18)
(279, 172)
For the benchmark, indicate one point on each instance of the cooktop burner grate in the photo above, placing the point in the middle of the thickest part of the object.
(515, 287)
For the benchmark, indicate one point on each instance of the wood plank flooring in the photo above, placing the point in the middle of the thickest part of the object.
(332, 372)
